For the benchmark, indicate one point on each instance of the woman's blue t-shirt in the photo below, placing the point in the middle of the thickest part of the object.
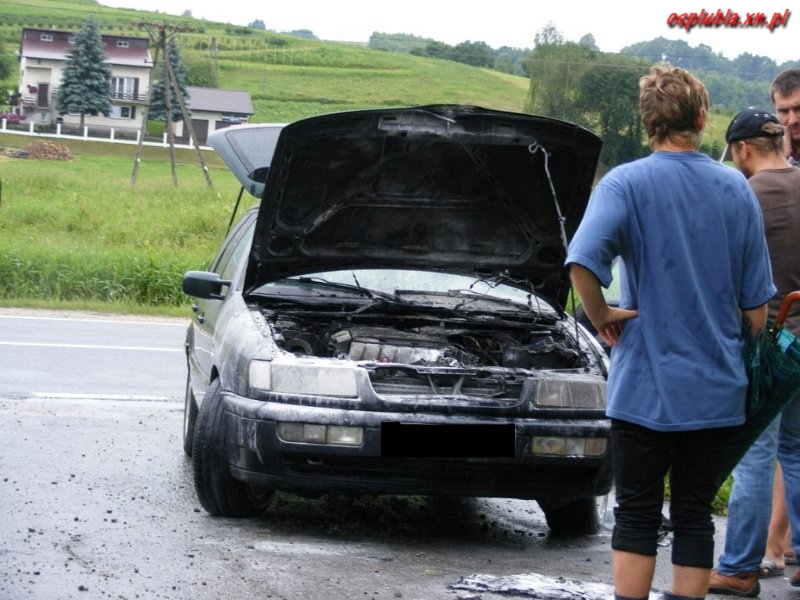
(690, 238)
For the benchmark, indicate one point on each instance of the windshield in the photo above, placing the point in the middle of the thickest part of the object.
(401, 283)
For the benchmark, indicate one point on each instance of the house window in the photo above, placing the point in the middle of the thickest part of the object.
(123, 112)
(122, 43)
(124, 88)
(46, 37)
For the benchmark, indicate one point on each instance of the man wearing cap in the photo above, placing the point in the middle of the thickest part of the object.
(756, 140)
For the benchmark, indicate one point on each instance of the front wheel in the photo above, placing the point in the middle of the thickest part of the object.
(218, 491)
(583, 516)
(189, 418)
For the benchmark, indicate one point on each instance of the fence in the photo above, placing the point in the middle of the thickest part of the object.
(95, 134)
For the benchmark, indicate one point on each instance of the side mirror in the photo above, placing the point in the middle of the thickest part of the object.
(204, 284)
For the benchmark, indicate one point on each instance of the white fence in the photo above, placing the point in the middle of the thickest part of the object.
(110, 138)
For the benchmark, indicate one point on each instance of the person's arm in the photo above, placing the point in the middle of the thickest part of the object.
(757, 317)
(605, 319)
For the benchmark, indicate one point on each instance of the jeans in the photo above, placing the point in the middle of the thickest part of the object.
(750, 503)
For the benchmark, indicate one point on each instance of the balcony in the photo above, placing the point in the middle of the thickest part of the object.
(130, 98)
(48, 101)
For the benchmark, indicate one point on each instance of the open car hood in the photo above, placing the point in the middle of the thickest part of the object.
(454, 188)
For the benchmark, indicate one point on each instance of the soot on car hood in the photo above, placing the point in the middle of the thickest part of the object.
(455, 188)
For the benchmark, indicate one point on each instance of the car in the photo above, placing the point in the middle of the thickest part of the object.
(389, 317)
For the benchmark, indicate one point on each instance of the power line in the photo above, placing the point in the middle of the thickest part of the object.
(158, 34)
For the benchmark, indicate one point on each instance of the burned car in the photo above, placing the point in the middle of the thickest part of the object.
(390, 317)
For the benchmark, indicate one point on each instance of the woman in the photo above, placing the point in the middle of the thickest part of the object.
(690, 239)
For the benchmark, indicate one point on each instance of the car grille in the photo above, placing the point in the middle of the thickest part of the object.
(427, 383)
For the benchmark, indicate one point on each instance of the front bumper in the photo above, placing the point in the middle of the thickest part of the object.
(497, 467)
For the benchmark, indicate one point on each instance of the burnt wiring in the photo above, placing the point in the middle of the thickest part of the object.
(533, 148)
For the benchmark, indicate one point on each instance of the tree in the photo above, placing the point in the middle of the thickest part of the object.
(555, 68)
(511, 60)
(588, 41)
(201, 72)
(86, 81)
(258, 24)
(158, 98)
(476, 54)
(608, 96)
(306, 34)
(435, 50)
(5, 63)
(396, 42)
(548, 35)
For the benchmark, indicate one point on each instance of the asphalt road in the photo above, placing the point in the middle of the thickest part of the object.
(48, 354)
(97, 500)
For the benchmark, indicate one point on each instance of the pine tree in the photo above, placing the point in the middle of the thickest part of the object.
(158, 107)
(86, 82)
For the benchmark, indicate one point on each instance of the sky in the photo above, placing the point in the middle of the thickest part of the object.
(506, 22)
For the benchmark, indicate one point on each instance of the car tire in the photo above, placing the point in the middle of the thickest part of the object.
(583, 516)
(189, 418)
(219, 492)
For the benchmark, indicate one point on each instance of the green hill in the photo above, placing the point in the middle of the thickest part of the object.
(79, 234)
(287, 77)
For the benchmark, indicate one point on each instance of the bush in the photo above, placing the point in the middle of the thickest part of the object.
(12, 117)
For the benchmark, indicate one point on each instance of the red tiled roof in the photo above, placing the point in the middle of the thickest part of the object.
(55, 45)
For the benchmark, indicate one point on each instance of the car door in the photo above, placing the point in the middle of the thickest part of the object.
(206, 312)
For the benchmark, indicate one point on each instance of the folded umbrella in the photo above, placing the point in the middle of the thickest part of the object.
(772, 362)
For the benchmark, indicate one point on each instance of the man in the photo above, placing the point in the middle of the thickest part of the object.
(756, 140)
(689, 235)
(785, 92)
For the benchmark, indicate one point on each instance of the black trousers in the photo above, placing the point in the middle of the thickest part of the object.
(642, 459)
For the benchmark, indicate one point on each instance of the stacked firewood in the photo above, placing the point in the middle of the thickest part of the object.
(44, 150)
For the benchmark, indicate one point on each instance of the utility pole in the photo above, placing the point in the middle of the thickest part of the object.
(158, 34)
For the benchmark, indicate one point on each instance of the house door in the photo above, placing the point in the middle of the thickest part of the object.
(43, 95)
(200, 127)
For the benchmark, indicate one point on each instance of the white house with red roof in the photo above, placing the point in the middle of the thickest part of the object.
(43, 55)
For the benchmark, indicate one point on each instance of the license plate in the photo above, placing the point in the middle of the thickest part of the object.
(418, 440)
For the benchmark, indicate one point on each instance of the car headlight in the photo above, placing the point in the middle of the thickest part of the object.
(313, 433)
(304, 379)
(569, 446)
(570, 392)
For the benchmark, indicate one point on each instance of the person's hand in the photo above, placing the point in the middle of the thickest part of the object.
(610, 322)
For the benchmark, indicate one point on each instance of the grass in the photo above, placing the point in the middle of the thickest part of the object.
(287, 77)
(81, 234)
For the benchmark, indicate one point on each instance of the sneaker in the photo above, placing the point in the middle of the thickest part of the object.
(744, 585)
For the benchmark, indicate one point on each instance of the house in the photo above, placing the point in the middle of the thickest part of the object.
(43, 54)
(213, 109)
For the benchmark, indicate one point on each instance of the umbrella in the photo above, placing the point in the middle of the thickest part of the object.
(772, 361)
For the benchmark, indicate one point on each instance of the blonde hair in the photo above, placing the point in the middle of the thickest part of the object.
(772, 143)
(670, 100)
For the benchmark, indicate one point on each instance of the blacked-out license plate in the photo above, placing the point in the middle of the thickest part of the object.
(409, 440)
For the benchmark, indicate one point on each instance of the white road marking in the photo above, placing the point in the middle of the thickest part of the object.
(133, 319)
(130, 397)
(90, 346)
